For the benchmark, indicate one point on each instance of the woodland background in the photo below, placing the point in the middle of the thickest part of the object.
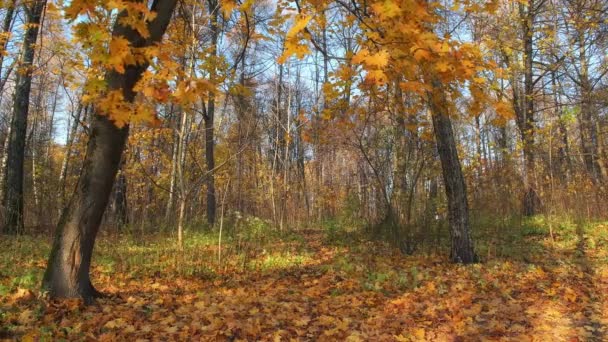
(272, 142)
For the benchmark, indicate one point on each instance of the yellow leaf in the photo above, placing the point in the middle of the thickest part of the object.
(171, 329)
(413, 86)
(354, 337)
(299, 25)
(26, 316)
(119, 50)
(293, 48)
(115, 323)
(360, 56)
(227, 7)
(376, 77)
(149, 91)
(442, 66)
(419, 333)
(421, 54)
(377, 60)
(386, 9)
(30, 337)
(504, 110)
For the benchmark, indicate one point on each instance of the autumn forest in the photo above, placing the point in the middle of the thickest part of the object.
(286, 170)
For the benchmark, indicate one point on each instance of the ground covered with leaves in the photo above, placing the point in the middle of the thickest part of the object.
(311, 285)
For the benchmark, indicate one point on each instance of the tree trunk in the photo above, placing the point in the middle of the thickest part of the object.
(210, 161)
(120, 198)
(68, 150)
(6, 29)
(49, 139)
(173, 173)
(13, 181)
(525, 114)
(209, 120)
(458, 209)
(181, 156)
(67, 273)
(588, 117)
(564, 160)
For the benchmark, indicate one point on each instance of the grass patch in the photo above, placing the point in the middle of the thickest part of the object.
(280, 261)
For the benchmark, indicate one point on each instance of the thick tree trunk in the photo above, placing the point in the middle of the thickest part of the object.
(67, 273)
(525, 114)
(13, 181)
(531, 202)
(458, 209)
(588, 119)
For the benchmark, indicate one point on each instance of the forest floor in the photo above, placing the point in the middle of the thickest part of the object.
(304, 285)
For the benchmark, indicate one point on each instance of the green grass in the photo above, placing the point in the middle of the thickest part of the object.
(23, 258)
(255, 246)
(280, 261)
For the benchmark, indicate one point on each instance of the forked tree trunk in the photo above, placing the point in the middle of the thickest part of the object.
(67, 273)
(15, 156)
(458, 209)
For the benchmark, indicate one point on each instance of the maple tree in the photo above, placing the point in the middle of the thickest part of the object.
(69, 263)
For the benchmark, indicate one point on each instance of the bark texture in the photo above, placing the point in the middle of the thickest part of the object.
(525, 112)
(462, 250)
(15, 154)
(209, 118)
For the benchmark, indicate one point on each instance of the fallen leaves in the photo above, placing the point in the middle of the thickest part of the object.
(412, 299)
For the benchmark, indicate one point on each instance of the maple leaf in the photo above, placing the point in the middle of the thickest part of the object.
(504, 110)
(227, 7)
(420, 54)
(442, 66)
(293, 46)
(414, 86)
(299, 25)
(386, 9)
(377, 77)
(119, 50)
(376, 60)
